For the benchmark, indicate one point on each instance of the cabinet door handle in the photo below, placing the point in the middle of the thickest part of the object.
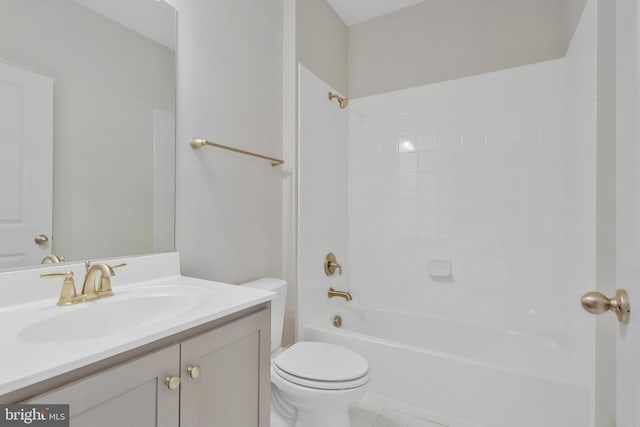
(172, 382)
(194, 371)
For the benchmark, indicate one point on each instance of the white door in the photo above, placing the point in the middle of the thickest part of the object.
(26, 162)
(628, 209)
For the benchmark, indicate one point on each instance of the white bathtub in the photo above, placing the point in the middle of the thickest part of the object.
(463, 375)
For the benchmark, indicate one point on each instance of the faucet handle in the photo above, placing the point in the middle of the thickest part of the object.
(124, 264)
(68, 294)
(87, 265)
(331, 264)
(104, 290)
(336, 265)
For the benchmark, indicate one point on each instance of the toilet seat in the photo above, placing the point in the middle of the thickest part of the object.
(321, 385)
(322, 366)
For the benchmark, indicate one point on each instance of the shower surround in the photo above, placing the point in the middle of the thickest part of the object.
(493, 174)
(473, 171)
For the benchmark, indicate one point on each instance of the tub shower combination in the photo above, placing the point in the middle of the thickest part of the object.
(460, 374)
(462, 212)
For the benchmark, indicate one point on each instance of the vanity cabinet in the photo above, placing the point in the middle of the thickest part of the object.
(131, 394)
(232, 385)
(224, 381)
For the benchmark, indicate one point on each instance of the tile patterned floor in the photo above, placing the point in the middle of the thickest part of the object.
(368, 412)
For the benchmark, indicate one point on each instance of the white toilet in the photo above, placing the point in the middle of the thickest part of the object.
(312, 383)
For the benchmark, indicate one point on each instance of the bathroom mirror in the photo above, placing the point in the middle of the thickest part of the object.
(87, 110)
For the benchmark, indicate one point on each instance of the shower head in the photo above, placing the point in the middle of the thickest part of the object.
(342, 101)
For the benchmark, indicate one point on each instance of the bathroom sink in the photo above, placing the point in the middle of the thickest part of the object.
(126, 310)
(153, 306)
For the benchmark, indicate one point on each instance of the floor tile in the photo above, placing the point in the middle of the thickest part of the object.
(358, 421)
(419, 422)
(372, 411)
(392, 418)
(366, 409)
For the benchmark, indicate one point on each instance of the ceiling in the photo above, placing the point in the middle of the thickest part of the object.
(355, 11)
(156, 19)
(151, 18)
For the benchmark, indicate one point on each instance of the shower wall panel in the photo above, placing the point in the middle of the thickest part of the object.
(322, 196)
(474, 171)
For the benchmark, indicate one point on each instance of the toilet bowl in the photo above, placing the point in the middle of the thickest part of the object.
(312, 383)
(316, 383)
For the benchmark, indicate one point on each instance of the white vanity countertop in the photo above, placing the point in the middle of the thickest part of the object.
(41, 340)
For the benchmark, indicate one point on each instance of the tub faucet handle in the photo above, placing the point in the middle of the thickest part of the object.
(331, 264)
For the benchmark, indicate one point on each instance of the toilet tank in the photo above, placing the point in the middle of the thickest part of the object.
(278, 286)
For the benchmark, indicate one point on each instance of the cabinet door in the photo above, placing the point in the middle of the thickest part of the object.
(132, 394)
(233, 386)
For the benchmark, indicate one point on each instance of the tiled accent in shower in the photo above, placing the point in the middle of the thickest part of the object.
(478, 171)
(370, 412)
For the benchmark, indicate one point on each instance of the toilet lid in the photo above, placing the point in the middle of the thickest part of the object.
(318, 361)
(321, 385)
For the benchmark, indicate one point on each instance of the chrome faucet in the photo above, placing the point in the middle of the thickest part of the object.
(346, 295)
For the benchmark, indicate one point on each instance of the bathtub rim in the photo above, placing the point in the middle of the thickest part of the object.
(324, 324)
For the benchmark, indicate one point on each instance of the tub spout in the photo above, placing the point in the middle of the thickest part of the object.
(346, 295)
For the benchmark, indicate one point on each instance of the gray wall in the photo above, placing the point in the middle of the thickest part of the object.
(446, 39)
(229, 206)
(321, 42)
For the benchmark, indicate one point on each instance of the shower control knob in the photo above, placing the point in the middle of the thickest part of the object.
(597, 303)
(331, 264)
(194, 371)
(172, 382)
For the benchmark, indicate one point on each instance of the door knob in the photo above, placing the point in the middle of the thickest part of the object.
(41, 239)
(172, 382)
(597, 303)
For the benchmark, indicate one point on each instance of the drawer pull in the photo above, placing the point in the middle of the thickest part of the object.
(194, 371)
(172, 382)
